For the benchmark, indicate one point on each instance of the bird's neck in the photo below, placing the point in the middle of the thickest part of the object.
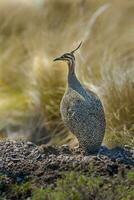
(73, 82)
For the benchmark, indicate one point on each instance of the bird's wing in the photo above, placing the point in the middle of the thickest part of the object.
(90, 92)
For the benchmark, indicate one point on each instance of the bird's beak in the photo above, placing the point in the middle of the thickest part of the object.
(57, 59)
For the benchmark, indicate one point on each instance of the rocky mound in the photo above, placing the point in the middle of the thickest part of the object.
(42, 165)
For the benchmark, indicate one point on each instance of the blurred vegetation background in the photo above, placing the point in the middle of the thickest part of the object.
(32, 33)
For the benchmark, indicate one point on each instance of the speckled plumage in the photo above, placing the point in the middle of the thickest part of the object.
(82, 111)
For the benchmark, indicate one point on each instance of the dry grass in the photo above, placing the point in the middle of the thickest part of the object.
(31, 86)
(118, 98)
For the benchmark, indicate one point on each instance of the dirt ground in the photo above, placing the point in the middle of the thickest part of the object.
(42, 165)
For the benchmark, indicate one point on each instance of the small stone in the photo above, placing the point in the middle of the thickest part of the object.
(15, 159)
(86, 159)
(112, 169)
(19, 179)
(127, 147)
(65, 146)
(10, 164)
(38, 157)
(39, 172)
(30, 144)
(59, 157)
(113, 159)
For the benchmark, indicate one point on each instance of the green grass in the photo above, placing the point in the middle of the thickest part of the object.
(32, 86)
(79, 187)
(74, 186)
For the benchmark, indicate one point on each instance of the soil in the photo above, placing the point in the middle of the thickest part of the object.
(22, 161)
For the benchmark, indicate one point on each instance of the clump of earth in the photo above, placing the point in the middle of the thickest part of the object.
(22, 161)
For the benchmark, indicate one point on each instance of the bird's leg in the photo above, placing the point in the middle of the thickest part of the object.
(94, 153)
(99, 156)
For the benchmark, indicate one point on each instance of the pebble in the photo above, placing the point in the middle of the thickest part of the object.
(86, 159)
(127, 147)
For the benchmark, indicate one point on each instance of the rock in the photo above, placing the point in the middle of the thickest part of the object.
(31, 144)
(20, 161)
(112, 169)
(127, 147)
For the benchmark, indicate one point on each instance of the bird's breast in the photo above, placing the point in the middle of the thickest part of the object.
(77, 109)
(71, 107)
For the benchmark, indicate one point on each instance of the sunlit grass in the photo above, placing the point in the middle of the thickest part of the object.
(32, 86)
(118, 95)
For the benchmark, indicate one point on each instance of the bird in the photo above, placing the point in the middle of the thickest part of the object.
(81, 109)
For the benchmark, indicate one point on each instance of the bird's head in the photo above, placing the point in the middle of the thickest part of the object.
(68, 56)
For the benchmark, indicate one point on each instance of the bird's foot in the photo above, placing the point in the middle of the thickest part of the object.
(99, 157)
